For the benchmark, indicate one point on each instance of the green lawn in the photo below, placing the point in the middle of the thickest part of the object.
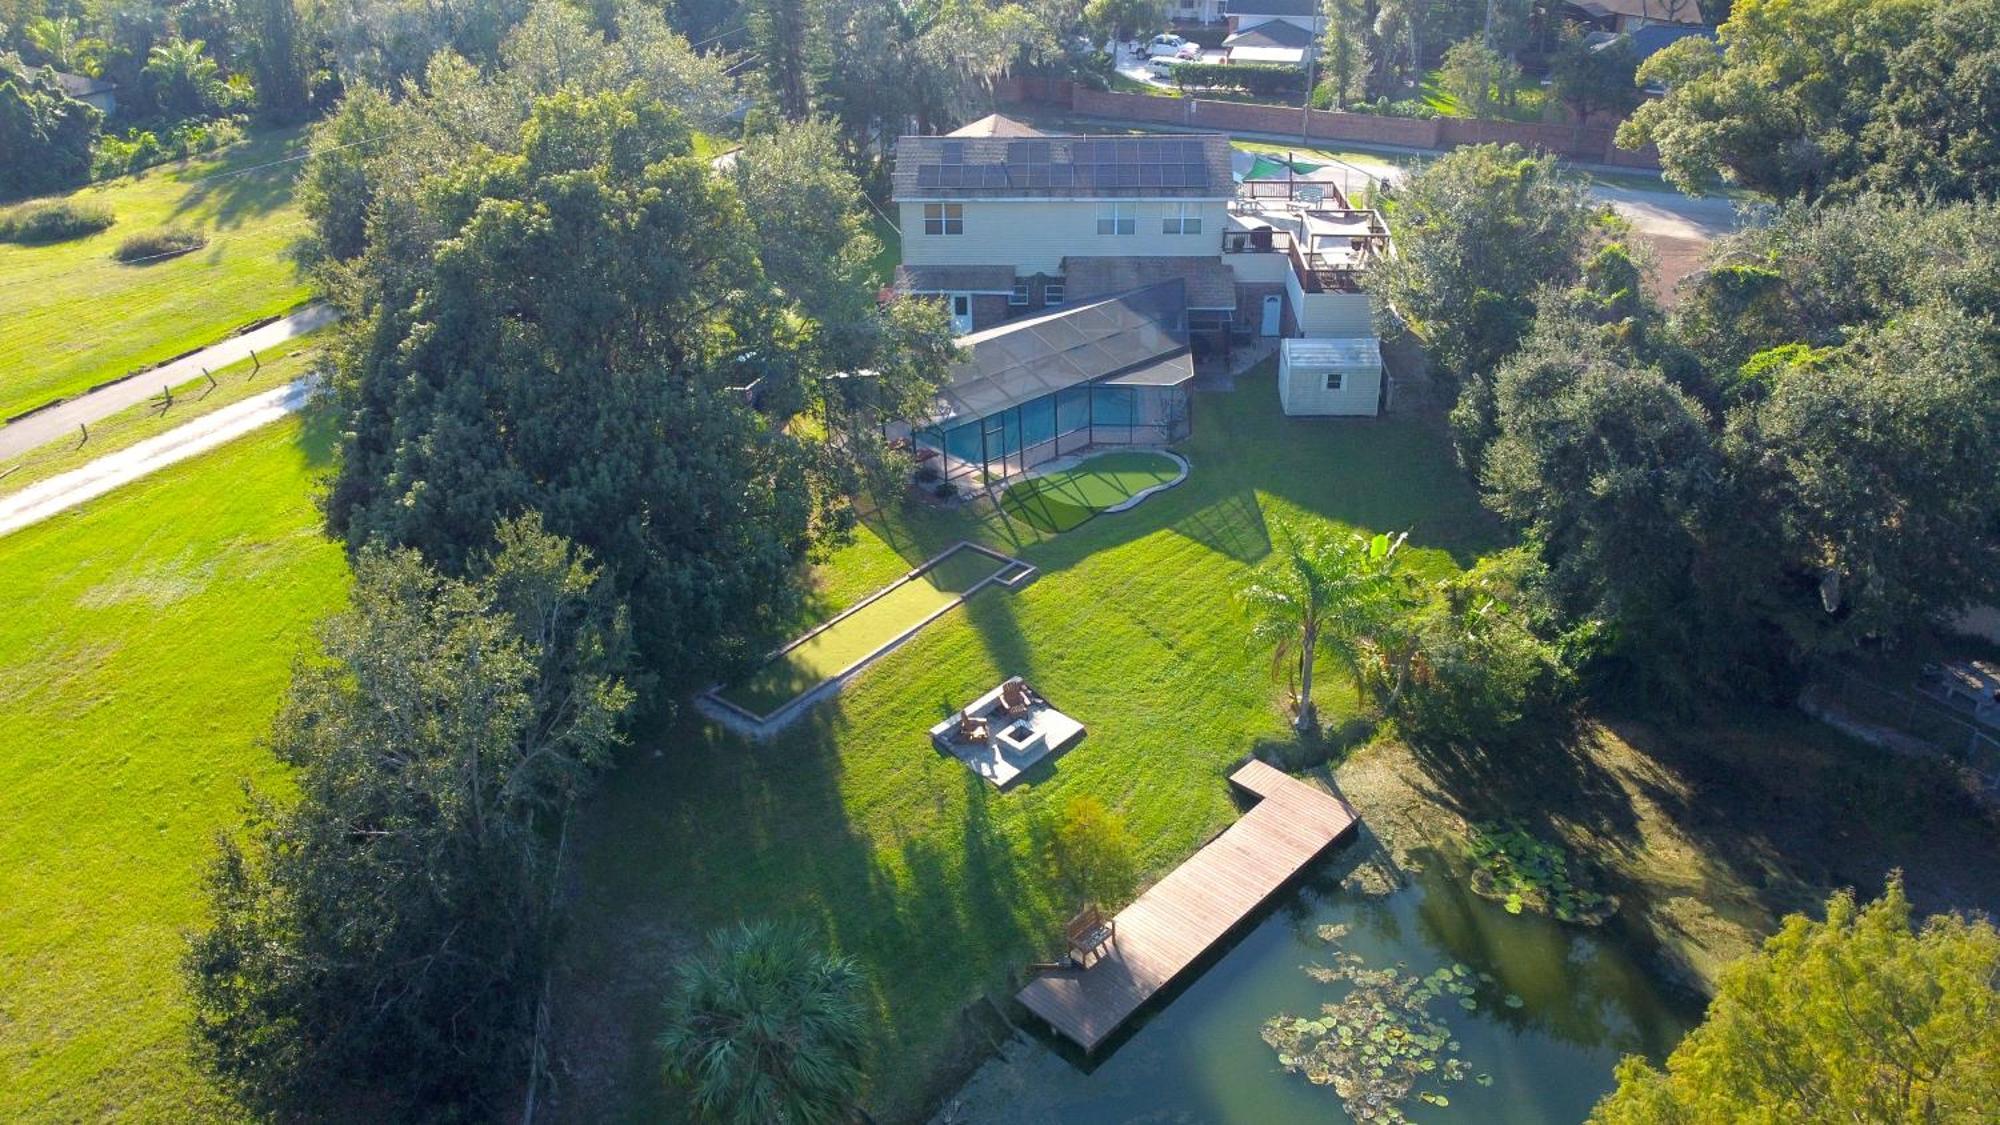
(904, 859)
(75, 316)
(889, 252)
(1063, 500)
(192, 399)
(147, 639)
(836, 648)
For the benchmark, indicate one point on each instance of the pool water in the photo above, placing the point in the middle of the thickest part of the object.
(1587, 997)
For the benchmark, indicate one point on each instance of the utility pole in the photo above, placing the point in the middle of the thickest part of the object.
(1312, 57)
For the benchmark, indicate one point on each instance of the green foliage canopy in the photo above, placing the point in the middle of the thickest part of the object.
(1861, 1017)
(385, 934)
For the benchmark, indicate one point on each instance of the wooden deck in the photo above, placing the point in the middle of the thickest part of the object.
(1195, 906)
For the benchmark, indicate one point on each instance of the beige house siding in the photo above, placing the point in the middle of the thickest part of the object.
(1035, 236)
(1338, 315)
(1303, 391)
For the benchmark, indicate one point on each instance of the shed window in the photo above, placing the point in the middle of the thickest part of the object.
(1334, 379)
(1053, 292)
(1020, 294)
(1117, 218)
(944, 218)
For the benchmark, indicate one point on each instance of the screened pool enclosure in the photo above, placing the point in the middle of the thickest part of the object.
(1112, 371)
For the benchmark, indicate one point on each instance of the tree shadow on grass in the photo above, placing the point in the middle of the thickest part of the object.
(248, 185)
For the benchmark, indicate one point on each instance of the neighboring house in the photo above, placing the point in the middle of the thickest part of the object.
(1246, 14)
(1631, 15)
(100, 94)
(1273, 41)
(1653, 38)
(1195, 11)
(1006, 224)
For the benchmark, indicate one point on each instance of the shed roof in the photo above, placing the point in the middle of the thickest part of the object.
(1192, 166)
(1135, 338)
(1345, 354)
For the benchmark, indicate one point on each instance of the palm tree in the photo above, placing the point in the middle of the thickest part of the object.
(56, 39)
(183, 76)
(1331, 593)
(766, 1027)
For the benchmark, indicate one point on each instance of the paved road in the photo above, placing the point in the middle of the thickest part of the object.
(59, 493)
(29, 433)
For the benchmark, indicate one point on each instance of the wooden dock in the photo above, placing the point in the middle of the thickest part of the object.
(1195, 906)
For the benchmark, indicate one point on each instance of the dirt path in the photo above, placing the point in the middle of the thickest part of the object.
(38, 502)
(40, 429)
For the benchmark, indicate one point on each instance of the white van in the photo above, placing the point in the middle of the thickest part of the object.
(1165, 44)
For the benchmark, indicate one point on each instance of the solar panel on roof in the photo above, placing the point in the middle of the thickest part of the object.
(927, 175)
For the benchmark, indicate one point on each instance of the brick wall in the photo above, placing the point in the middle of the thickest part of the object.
(1594, 143)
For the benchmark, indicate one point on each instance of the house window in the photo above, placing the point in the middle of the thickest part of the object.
(1052, 292)
(1334, 379)
(944, 218)
(1020, 294)
(1118, 218)
(1181, 218)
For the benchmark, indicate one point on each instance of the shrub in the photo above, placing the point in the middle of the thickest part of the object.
(140, 149)
(53, 222)
(927, 471)
(162, 243)
(945, 490)
(1257, 78)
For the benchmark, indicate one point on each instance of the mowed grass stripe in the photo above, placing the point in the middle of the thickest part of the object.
(72, 316)
(834, 649)
(147, 643)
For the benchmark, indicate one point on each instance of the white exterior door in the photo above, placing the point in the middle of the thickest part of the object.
(961, 313)
(1273, 315)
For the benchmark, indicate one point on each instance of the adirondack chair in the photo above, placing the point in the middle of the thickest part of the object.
(1089, 932)
(1016, 698)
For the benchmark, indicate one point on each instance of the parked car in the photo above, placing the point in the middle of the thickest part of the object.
(1163, 67)
(1189, 52)
(1166, 44)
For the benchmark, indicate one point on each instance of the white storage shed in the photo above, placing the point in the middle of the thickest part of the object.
(1330, 376)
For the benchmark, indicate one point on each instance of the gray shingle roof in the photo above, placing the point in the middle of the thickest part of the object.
(954, 279)
(1305, 9)
(1209, 283)
(1189, 166)
(1272, 33)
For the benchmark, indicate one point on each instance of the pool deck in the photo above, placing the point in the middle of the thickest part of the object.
(1172, 925)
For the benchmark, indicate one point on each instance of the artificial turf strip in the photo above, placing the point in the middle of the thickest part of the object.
(895, 854)
(834, 649)
(1064, 499)
(147, 640)
(74, 316)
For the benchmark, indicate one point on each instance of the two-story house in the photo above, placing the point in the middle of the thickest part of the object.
(1005, 225)
(1004, 221)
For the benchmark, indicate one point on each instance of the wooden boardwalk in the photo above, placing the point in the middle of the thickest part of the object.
(1199, 902)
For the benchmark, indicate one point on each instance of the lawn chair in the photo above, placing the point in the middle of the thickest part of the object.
(1016, 698)
(972, 728)
(1088, 933)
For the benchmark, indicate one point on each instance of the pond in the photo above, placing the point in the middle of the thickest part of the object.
(1547, 1011)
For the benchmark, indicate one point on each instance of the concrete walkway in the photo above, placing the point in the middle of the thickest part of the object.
(38, 502)
(40, 429)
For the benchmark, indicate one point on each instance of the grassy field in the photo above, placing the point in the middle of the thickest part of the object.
(1063, 500)
(74, 316)
(192, 399)
(903, 858)
(147, 639)
(836, 648)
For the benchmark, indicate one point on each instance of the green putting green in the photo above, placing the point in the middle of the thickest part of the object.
(835, 649)
(1061, 500)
